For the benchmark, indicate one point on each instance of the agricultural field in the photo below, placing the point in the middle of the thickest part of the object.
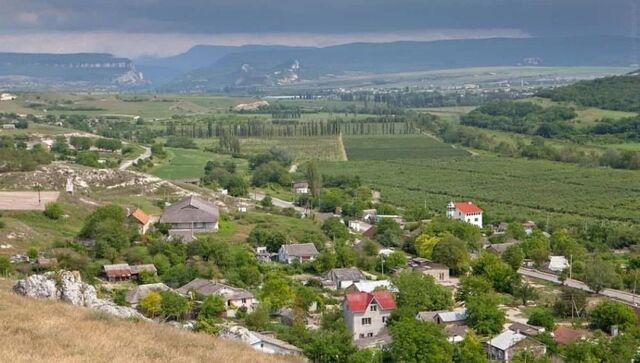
(186, 163)
(302, 148)
(587, 116)
(507, 188)
(121, 105)
(399, 147)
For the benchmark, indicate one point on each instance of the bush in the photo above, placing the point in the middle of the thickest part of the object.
(267, 201)
(53, 210)
(542, 317)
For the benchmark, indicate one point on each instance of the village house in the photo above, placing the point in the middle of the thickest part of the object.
(528, 227)
(302, 252)
(359, 226)
(505, 345)
(300, 187)
(344, 277)
(191, 213)
(124, 272)
(438, 271)
(366, 314)
(370, 286)
(184, 235)
(465, 211)
(142, 220)
(444, 317)
(234, 297)
(500, 248)
(526, 329)
(141, 291)
(268, 344)
(263, 255)
(558, 263)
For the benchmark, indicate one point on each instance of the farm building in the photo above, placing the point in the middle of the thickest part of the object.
(302, 252)
(455, 317)
(143, 221)
(124, 272)
(465, 211)
(191, 213)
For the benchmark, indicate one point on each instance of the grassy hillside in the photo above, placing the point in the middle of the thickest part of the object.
(614, 93)
(44, 331)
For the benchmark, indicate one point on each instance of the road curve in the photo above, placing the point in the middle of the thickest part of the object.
(127, 163)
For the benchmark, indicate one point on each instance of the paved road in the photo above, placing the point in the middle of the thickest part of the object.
(145, 155)
(258, 196)
(623, 296)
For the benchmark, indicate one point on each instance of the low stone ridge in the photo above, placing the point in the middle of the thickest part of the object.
(68, 287)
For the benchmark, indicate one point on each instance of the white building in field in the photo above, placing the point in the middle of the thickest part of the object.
(465, 211)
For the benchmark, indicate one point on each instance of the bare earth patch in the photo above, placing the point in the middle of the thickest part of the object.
(26, 200)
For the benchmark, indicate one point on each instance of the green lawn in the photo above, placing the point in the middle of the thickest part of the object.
(185, 163)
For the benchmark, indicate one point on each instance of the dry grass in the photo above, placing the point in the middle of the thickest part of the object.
(26, 200)
(43, 331)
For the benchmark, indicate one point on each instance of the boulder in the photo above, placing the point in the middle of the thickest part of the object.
(68, 287)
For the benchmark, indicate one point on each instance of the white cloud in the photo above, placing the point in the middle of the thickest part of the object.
(164, 44)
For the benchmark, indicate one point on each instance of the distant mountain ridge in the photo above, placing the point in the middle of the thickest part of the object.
(315, 63)
(78, 70)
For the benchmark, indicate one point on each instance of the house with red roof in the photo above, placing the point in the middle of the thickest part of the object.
(466, 212)
(141, 219)
(366, 313)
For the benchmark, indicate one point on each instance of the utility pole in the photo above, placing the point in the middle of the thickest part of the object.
(382, 264)
(570, 265)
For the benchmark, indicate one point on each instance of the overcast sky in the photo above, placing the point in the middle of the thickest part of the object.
(162, 27)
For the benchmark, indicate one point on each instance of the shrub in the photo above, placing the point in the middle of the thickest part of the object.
(53, 210)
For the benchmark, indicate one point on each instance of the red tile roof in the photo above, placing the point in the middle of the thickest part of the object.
(140, 216)
(565, 336)
(468, 207)
(359, 301)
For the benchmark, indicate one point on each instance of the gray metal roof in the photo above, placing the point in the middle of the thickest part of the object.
(345, 274)
(139, 292)
(207, 287)
(506, 340)
(190, 209)
(301, 249)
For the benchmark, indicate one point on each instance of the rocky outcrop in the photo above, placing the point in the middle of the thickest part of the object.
(68, 287)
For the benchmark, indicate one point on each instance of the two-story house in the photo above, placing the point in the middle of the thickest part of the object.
(466, 212)
(366, 314)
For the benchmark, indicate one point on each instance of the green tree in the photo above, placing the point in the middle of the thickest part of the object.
(212, 307)
(259, 318)
(609, 313)
(394, 260)
(469, 350)
(525, 292)
(332, 346)
(452, 252)
(425, 244)
(418, 292)
(513, 256)
(419, 342)
(53, 210)
(151, 305)
(600, 274)
(276, 291)
(366, 356)
(571, 303)
(335, 229)
(516, 231)
(542, 317)
(473, 286)
(484, 315)
(173, 305)
(267, 201)
(314, 178)
(88, 158)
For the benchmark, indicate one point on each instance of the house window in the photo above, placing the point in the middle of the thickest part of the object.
(476, 219)
(261, 345)
(366, 321)
(374, 307)
(370, 335)
(244, 301)
(384, 319)
(361, 336)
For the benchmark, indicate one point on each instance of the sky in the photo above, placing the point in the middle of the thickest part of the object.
(134, 28)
